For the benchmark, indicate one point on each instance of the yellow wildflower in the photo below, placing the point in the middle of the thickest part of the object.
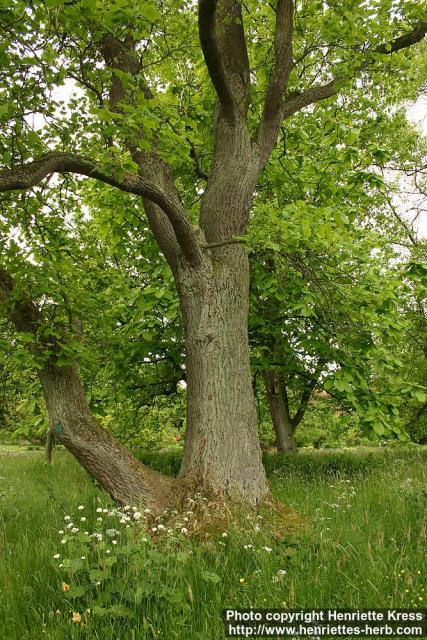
(65, 587)
(242, 580)
(76, 617)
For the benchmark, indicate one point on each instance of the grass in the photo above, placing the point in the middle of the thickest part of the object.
(363, 545)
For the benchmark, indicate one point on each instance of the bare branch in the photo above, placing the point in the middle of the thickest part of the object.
(282, 67)
(32, 173)
(208, 41)
(163, 232)
(223, 42)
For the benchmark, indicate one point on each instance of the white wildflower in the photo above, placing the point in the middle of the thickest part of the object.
(56, 556)
(80, 507)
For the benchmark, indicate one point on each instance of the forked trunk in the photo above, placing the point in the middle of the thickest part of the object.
(103, 457)
(279, 412)
(222, 449)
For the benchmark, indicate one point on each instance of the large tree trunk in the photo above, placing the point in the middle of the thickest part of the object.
(279, 412)
(222, 449)
(103, 457)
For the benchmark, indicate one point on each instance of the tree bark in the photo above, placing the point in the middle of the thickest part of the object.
(222, 450)
(50, 442)
(279, 412)
(103, 457)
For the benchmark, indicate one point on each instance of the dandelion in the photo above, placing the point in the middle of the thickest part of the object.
(241, 580)
(65, 587)
(56, 556)
(76, 617)
(80, 507)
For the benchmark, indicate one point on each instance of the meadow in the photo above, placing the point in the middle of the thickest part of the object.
(72, 566)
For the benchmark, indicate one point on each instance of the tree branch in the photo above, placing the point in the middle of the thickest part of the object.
(298, 101)
(32, 173)
(23, 314)
(223, 42)
(209, 44)
(282, 67)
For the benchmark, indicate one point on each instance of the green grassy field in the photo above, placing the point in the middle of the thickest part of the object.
(363, 544)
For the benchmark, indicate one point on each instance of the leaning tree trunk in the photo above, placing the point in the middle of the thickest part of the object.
(104, 458)
(279, 412)
(222, 450)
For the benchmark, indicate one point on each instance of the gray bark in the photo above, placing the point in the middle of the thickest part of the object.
(103, 457)
(222, 450)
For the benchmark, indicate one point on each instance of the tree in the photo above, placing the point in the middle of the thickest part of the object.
(147, 117)
(324, 262)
